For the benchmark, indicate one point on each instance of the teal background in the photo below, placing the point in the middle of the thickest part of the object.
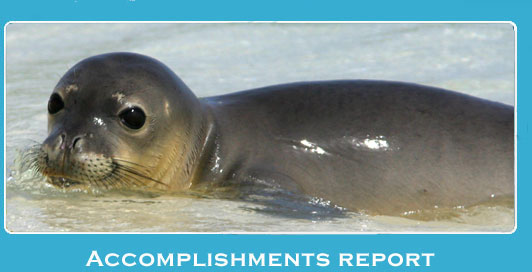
(480, 252)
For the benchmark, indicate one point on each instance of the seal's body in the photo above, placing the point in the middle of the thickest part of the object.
(379, 146)
(122, 120)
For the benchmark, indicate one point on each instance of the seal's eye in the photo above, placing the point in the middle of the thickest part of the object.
(55, 104)
(133, 118)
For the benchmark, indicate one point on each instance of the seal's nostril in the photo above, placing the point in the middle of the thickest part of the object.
(75, 141)
(62, 143)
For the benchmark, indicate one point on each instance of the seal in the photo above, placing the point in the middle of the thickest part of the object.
(123, 120)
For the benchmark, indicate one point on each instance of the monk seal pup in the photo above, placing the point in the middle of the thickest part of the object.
(126, 120)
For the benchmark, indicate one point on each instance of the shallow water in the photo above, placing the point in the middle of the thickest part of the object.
(476, 59)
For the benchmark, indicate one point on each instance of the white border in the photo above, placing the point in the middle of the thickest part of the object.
(296, 22)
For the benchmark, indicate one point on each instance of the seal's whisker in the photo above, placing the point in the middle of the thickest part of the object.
(130, 162)
(119, 178)
(100, 181)
(129, 178)
(133, 180)
(136, 173)
(112, 179)
(145, 170)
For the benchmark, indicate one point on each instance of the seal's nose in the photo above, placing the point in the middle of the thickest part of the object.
(60, 142)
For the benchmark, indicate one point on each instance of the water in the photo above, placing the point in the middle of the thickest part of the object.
(476, 59)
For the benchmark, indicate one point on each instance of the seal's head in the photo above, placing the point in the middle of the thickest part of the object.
(122, 119)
